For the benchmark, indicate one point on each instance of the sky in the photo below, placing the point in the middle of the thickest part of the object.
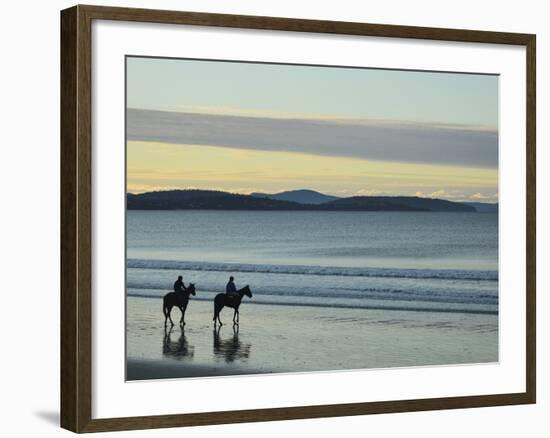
(249, 127)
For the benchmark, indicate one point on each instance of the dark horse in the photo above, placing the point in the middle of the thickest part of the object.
(224, 300)
(178, 299)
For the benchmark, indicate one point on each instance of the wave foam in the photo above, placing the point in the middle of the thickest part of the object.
(445, 274)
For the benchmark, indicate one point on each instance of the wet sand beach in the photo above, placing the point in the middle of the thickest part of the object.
(281, 338)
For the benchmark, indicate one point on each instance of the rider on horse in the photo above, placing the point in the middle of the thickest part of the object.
(231, 289)
(179, 286)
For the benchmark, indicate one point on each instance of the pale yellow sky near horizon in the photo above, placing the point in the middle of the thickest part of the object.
(162, 166)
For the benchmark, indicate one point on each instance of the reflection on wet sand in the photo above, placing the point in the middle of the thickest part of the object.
(179, 349)
(230, 349)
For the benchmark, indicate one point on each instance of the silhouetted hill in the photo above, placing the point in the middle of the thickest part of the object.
(303, 196)
(483, 207)
(395, 203)
(203, 200)
(217, 200)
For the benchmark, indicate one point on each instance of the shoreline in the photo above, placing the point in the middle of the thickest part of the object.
(341, 306)
(289, 338)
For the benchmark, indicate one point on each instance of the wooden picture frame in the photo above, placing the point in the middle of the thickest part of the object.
(76, 217)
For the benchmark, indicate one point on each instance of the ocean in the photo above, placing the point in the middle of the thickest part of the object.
(423, 261)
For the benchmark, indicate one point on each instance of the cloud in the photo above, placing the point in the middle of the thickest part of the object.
(459, 195)
(142, 188)
(367, 192)
(484, 197)
(440, 194)
(363, 139)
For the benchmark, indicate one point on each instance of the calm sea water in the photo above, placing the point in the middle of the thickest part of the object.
(394, 260)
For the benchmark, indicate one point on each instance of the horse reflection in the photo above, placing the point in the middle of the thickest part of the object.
(177, 349)
(230, 349)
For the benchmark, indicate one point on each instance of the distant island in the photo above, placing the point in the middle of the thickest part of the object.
(295, 200)
(483, 207)
(302, 196)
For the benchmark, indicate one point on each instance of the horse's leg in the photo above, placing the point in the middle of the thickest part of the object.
(170, 314)
(182, 320)
(236, 314)
(218, 306)
(216, 314)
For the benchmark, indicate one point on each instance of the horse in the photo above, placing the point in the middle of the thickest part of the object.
(179, 299)
(234, 302)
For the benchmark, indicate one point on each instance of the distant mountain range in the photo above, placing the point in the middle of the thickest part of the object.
(307, 200)
(203, 200)
(303, 196)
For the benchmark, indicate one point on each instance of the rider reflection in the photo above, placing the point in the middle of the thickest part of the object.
(179, 349)
(230, 349)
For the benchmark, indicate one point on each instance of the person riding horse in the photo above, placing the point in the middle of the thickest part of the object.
(179, 286)
(179, 298)
(231, 289)
(230, 299)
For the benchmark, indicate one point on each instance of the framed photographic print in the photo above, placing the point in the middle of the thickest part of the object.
(270, 218)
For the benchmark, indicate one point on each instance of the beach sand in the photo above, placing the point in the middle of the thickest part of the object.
(275, 339)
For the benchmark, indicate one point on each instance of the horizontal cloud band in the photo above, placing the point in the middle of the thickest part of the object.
(389, 141)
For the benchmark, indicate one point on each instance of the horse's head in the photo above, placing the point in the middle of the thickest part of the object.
(247, 291)
(191, 288)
